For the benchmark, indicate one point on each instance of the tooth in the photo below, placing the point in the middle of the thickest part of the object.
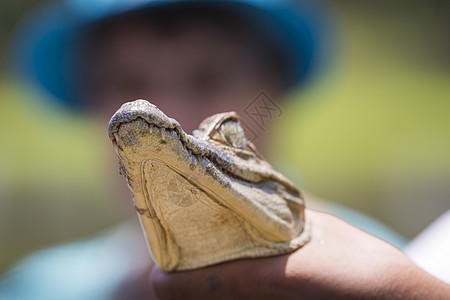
(190, 152)
(175, 134)
(116, 136)
(194, 159)
(151, 128)
(163, 133)
(192, 165)
(184, 144)
(204, 162)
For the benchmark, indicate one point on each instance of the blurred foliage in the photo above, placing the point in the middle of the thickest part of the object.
(54, 184)
(11, 12)
(410, 30)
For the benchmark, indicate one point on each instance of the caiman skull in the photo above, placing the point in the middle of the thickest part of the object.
(206, 198)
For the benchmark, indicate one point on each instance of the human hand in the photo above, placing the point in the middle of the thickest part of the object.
(340, 262)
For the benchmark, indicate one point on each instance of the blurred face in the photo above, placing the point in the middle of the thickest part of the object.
(190, 72)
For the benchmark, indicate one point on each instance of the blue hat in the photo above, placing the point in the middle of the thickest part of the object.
(46, 46)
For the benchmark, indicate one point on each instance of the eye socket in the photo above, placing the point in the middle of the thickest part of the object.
(233, 133)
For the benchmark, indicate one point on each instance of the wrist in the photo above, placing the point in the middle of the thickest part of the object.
(412, 282)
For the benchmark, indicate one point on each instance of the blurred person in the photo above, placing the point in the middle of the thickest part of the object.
(193, 59)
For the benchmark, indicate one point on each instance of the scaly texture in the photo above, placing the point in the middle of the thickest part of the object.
(206, 198)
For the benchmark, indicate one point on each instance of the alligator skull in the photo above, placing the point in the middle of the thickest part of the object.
(206, 198)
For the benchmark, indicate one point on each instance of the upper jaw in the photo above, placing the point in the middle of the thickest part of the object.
(168, 128)
(224, 158)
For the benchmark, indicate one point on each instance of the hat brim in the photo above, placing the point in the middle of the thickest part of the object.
(46, 48)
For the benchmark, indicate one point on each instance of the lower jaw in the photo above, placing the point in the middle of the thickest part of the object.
(198, 230)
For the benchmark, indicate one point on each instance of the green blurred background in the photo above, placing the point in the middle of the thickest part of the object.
(372, 133)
